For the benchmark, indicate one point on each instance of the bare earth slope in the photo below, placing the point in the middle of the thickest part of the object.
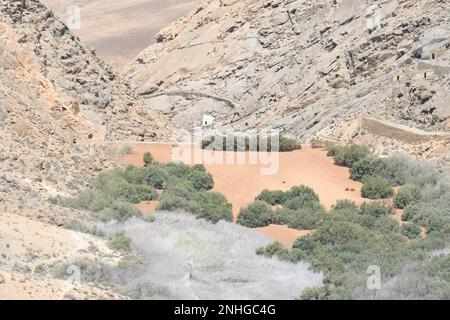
(306, 67)
(58, 102)
(120, 29)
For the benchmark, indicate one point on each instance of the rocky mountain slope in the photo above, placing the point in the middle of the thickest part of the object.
(118, 29)
(309, 68)
(59, 105)
(58, 101)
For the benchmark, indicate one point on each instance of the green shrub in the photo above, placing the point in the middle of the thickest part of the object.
(288, 144)
(332, 150)
(181, 195)
(307, 244)
(155, 176)
(171, 202)
(346, 204)
(179, 170)
(407, 195)
(256, 214)
(118, 210)
(299, 203)
(148, 159)
(120, 189)
(299, 219)
(410, 231)
(271, 197)
(376, 187)
(348, 155)
(385, 225)
(180, 187)
(201, 180)
(339, 232)
(321, 293)
(375, 209)
(104, 206)
(120, 242)
(213, 207)
(274, 249)
(303, 192)
(410, 211)
(133, 174)
(370, 166)
(241, 143)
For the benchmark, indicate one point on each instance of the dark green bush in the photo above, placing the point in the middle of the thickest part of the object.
(148, 159)
(348, 155)
(307, 244)
(213, 207)
(256, 214)
(241, 143)
(384, 225)
(303, 203)
(410, 231)
(103, 205)
(370, 166)
(375, 209)
(407, 195)
(120, 189)
(346, 204)
(339, 232)
(155, 176)
(410, 211)
(200, 180)
(275, 248)
(303, 192)
(376, 187)
(133, 175)
(271, 197)
(288, 144)
(181, 195)
(299, 219)
(117, 210)
(321, 293)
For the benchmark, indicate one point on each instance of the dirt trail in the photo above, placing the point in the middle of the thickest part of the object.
(241, 183)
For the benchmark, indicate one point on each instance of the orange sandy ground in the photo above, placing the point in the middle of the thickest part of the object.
(241, 183)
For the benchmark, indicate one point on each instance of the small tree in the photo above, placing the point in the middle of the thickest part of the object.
(411, 231)
(201, 180)
(271, 197)
(376, 187)
(407, 195)
(375, 209)
(257, 214)
(148, 159)
(347, 155)
(410, 211)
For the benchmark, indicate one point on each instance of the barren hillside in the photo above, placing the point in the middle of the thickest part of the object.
(58, 103)
(118, 29)
(309, 68)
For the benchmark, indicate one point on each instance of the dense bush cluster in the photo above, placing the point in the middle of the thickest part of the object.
(376, 187)
(301, 209)
(181, 195)
(256, 214)
(184, 188)
(348, 155)
(349, 239)
(245, 143)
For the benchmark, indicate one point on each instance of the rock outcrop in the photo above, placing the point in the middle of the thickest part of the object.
(302, 66)
(58, 103)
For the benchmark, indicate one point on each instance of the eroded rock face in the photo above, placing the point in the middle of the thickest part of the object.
(301, 66)
(58, 102)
